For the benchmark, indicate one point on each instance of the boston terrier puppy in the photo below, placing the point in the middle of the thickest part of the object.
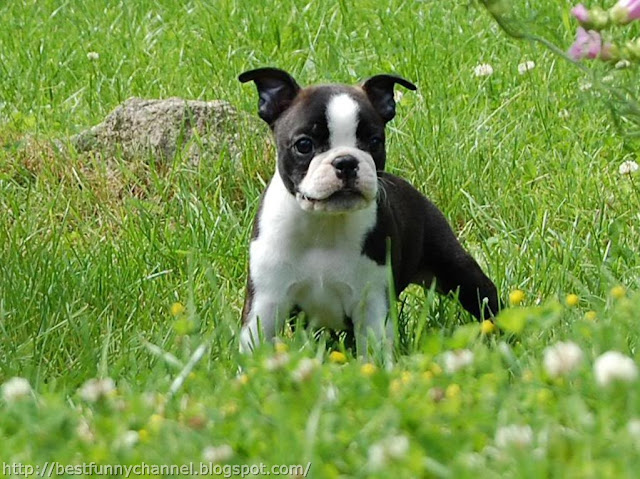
(331, 218)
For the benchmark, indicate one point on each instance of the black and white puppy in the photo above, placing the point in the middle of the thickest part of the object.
(320, 237)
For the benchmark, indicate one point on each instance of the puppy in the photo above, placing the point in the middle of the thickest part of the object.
(331, 218)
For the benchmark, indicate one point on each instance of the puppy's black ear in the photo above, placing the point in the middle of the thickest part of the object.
(276, 89)
(379, 89)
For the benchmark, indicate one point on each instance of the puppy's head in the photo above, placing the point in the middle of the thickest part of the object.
(330, 138)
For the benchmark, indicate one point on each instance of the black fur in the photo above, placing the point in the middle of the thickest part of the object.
(404, 214)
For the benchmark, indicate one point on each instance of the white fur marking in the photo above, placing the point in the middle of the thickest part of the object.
(342, 120)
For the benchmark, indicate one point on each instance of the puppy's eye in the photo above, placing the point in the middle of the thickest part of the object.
(304, 146)
(375, 143)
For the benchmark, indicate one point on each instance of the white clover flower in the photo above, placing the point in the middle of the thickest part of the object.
(474, 460)
(633, 428)
(95, 389)
(628, 167)
(84, 432)
(622, 64)
(562, 358)
(391, 448)
(15, 388)
(376, 457)
(525, 67)
(514, 435)
(457, 360)
(304, 370)
(614, 366)
(93, 56)
(217, 454)
(506, 351)
(397, 446)
(331, 393)
(483, 70)
(277, 361)
(585, 86)
(127, 440)
(564, 113)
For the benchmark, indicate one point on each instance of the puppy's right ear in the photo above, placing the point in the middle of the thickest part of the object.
(276, 89)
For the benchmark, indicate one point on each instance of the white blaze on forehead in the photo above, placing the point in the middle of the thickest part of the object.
(342, 120)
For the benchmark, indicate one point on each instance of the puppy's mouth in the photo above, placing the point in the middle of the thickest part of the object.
(345, 199)
(344, 194)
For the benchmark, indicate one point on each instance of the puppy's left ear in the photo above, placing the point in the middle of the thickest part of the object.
(379, 89)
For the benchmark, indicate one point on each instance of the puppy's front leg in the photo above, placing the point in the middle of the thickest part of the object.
(371, 322)
(263, 316)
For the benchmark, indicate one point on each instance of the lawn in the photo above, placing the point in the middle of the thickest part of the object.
(122, 279)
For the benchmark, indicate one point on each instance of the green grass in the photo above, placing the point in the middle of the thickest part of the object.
(92, 258)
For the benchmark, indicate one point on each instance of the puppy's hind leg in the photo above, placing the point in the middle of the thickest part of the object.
(455, 269)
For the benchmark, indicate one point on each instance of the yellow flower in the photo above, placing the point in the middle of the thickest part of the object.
(395, 386)
(436, 369)
(618, 292)
(183, 325)
(229, 409)
(192, 375)
(544, 396)
(155, 421)
(487, 327)
(453, 390)
(143, 435)
(242, 379)
(337, 357)
(516, 297)
(177, 309)
(281, 347)
(489, 378)
(405, 377)
(368, 369)
(427, 375)
(590, 315)
(572, 300)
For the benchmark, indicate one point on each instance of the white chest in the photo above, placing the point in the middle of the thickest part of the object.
(313, 261)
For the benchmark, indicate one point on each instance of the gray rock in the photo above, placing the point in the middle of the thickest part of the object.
(162, 128)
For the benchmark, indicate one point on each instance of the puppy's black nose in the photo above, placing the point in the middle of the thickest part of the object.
(346, 167)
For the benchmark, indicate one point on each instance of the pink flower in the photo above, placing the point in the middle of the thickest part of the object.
(595, 18)
(589, 44)
(581, 13)
(626, 11)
